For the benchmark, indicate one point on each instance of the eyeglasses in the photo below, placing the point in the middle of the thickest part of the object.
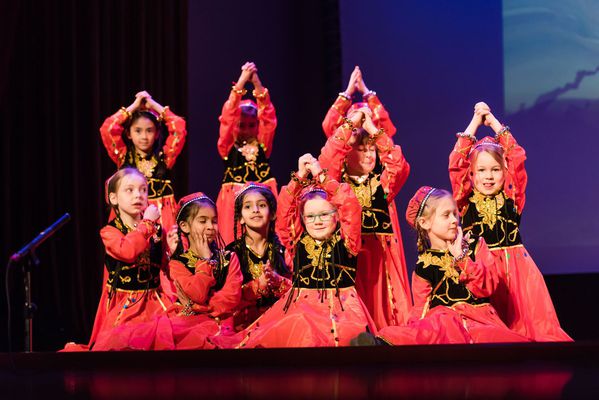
(324, 216)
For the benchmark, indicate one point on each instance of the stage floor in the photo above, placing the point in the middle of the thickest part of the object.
(526, 371)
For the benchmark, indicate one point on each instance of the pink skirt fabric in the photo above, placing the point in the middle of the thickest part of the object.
(124, 307)
(314, 319)
(165, 332)
(382, 280)
(225, 205)
(522, 299)
(461, 324)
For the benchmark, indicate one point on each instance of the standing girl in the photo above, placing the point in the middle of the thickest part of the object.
(489, 184)
(133, 137)
(261, 254)
(450, 289)
(365, 157)
(343, 106)
(133, 257)
(319, 224)
(245, 141)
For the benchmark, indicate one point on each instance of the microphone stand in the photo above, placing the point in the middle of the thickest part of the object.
(26, 256)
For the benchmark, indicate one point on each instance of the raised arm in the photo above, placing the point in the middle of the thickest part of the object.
(267, 116)
(395, 167)
(127, 247)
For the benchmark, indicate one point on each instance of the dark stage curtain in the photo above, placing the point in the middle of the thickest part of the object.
(64, 67)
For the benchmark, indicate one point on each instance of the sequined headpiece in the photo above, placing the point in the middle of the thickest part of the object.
(417, 203)
(190, 198)
(486, 141)
(249, 186)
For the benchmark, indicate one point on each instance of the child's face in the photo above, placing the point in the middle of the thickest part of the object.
(361, 160)
(132, 195)
(442, 226)
(255, 213)
(488, 175)
(248, 127)
(143, 134)
(320, 218)
(204, 223)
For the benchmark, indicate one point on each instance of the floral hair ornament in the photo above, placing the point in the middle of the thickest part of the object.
(417, 203)
(190, 198)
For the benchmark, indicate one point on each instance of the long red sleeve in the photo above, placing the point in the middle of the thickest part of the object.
(349, 209)
(421, 291)
(267, 122)
(195, 285)
(480, 276)
(229, 296)
(111, 133)
(175, 141)
(334, 117)
(517, 179)
(395, 167)
(380, 116)
(459, 170)
(127, 247)
(334, 151)
(288, 223)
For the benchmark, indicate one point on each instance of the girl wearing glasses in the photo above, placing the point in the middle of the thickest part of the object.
(319, 224)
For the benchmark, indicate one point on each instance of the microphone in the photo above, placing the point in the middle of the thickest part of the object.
(41, 238)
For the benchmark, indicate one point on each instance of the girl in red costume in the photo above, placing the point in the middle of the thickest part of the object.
(319, 223)
(245, 141)
(489, 184)
(133, 137)
(450, 289)
(343, 105)
(351, 156)
(208, 283)
(133, 258)
(260, 253)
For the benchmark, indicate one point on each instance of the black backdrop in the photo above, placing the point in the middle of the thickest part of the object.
(65, 66)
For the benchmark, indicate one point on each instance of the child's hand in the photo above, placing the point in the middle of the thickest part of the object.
(356, 117)
(360, 84)
(172, 239)
(455, 246)
(200, 245)
(368, 125)
(151, 213)
(351, 85)
(247, 70)
(256, 81)
(302, 165)
(137, 104)
(314, 168)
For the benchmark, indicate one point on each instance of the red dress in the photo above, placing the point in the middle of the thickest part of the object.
(132, 292)
(521, 299)
(334, 117)
(323, 307)
(215, 283)
(156, 169)
(451, 305)
(244, 162)
(382, 279)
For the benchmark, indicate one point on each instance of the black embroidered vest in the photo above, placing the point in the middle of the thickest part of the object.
(437, 267)
(239, 170)
(220, 265)
(155, 171)
(495, 218)
(324, 265)
(372, 198)
(143, 274)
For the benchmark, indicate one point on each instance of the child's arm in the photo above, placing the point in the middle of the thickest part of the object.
(336, 148)
(459, 162)
(349, 209)
(421, 292)
(267, 116)
(196, 286)
(395, 167)
(177, 133)
(229, 121)
(226, 300)
(515, 156)
(127, 247)
(111, 133)
(288, 223)
(334, 117)
(480, 276)
(380, 116)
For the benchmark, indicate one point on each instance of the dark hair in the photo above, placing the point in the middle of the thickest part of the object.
(160, 128)
(114, 182)
(277, 260)
(187, 214)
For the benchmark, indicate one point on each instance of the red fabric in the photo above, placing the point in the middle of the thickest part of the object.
(124, 307)
(382, 277)
(462, 322)
(225, 204)
(309, 322)
(339, 109)
(289, 225)
(522, 298)
(229, 123)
